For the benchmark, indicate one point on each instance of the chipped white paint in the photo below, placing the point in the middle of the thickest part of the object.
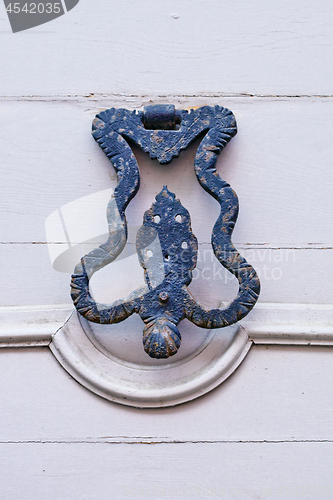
(162, 48)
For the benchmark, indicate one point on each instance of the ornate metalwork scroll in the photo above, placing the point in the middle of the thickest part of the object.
(166, 246)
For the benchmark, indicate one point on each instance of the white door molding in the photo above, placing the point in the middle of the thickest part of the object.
(268, 323)
(110, 366)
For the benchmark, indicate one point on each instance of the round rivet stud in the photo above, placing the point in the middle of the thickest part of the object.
(163, 296)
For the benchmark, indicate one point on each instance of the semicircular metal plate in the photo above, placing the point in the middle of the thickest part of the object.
(123, 375)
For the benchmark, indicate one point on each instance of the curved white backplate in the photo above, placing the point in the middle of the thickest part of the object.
(110, 361)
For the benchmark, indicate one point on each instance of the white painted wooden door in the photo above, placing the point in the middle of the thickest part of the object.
(266, 432)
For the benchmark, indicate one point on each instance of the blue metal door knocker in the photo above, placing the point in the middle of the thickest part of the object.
(166, 247)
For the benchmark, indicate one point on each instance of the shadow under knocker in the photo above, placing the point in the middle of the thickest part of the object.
(166, 246)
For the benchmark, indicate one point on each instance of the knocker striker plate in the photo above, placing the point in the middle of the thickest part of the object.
(166, 246)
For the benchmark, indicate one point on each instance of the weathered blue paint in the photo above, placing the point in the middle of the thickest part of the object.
(166, 246)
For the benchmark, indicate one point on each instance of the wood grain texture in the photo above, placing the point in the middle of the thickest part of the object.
(284, 227)
(279, 165)
(225, 470)
(267, 432)
(277, 394)
(171, 47)
(285, 277)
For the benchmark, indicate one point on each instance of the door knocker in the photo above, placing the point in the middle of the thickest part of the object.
(166, 247)
(100, 344)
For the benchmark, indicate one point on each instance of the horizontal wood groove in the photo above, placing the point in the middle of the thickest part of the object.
(151, 97)
(157, 441)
